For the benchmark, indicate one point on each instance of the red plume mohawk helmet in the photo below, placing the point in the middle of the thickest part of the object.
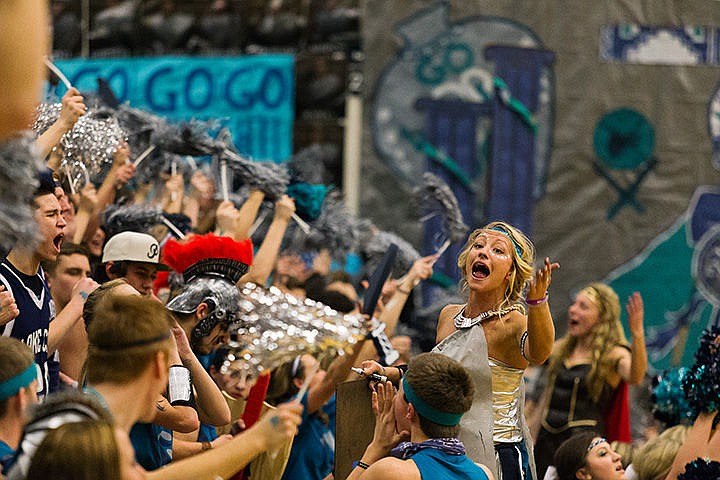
(209, 254)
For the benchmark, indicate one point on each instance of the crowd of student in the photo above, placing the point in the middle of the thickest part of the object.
(120, 355)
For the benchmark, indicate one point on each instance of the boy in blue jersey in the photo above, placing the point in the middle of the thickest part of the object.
(433, 396)
(22, 276)
(18, 381)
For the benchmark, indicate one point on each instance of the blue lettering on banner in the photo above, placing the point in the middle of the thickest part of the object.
(252, 95)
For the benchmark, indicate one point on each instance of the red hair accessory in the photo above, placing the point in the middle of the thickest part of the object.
(208, 254)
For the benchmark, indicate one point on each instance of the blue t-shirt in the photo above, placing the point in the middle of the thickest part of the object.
(152, 444)
(207, 433)
(37, 310)
(313, 450)
(7, 457)
(437, 465)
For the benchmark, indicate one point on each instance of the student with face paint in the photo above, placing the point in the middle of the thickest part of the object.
(496, 335)
(588, 367)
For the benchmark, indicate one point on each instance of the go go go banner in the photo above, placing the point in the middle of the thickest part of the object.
(253, 96)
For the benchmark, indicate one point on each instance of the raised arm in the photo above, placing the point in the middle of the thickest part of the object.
(264, 260)
(86, 210)
(421, 270)
(248, 213)
(212, 408)
(72, 109)
(120, 173)
(540, 328)
(632, 366)
(72, 312)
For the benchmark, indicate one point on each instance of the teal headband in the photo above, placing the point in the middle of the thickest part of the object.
(431, 413)
(507, 234)
(12, 385)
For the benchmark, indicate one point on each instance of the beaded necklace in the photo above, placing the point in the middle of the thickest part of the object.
(461, 321)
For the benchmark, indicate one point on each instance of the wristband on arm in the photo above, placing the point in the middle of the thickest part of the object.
(179, 386)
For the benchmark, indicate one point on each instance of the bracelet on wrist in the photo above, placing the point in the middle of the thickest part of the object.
(362, 464)
(206, 446)
(539, 301)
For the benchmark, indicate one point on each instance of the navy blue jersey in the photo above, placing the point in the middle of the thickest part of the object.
(36, 311)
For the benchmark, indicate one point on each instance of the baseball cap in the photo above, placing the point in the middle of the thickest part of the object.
(133, 247)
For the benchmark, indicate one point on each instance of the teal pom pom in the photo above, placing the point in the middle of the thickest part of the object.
(669, 402)
(702, 384)
(308, 199)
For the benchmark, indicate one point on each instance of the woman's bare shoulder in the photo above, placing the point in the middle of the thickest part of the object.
(450, 310)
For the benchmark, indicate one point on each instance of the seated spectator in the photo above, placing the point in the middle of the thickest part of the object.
(113, 28)
(434, 394)
(586, 456)
(168, 28)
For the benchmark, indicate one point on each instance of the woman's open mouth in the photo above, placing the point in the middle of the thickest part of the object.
(480, 271)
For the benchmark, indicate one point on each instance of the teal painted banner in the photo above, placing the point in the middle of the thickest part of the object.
(253, 96)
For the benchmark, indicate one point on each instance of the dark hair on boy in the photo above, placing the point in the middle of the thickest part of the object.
(46, 183)
(445, 385)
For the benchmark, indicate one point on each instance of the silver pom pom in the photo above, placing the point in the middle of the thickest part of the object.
(92, 141)
(47, 114)
(274, 328)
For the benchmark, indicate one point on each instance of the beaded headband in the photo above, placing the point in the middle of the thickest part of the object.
(595, 442)
(507, 234)
(431, 413)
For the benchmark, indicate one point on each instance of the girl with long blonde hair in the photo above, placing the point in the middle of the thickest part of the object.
(587, 366)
